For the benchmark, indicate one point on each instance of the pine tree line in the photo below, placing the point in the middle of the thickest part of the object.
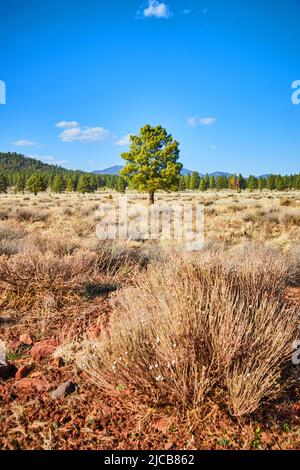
(237, 182)
(20, 174)
(39, 181)
(88, 183)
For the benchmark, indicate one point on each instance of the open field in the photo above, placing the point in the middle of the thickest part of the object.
(167, 349)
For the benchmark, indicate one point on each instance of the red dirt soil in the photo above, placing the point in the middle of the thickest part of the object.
(87, 419)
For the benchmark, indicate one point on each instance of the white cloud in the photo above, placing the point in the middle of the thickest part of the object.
(60, 162)
(187, 12)
(49, 159)
(85, 134)
(208, 121)
(123, 141)
(193, 121)
(25, 143)
(213, 147)
(66, 124)
(157, 10)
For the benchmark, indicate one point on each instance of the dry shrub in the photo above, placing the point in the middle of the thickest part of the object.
(11, 241)
(4, 214)
(67, 211)
(58, 246)
(28, 278)
(212, 325)
(115, 258)
(86, 211)
(285, 201)
(29, 215)
(57, 272)
(237, 208)
(291, 218)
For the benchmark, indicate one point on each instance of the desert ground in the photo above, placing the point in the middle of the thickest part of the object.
(154, 347)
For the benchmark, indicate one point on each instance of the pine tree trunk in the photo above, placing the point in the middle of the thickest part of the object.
(151, 197)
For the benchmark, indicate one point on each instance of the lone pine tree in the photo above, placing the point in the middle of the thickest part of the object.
(152, 161)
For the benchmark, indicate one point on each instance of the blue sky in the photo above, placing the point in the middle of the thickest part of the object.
(218, 74)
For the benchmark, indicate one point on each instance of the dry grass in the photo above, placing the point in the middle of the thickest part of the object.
(203, 334)
(197, 327)
(26, 280)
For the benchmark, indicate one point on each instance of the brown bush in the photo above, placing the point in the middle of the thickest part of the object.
(26, 279)
(58, 246)
(4, 214)
(29, 215)
(199, 326)
(292, 218)
(11, 241)
(285, 202)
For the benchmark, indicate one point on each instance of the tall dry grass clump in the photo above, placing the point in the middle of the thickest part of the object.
(60, 272)
(209, 325)
(27, 279)
(11, 241)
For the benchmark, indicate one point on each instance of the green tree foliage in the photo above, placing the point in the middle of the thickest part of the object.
(206, 181)
(187, 179)
(20, 183)
(182, 183)
(121, 185)
(271, 182)
(242, 183)
(19, 172)
(3, 183)
(36, 183)
(212, 182)
(279, 183)
(261, 183)
(70, 184)
(58, 184)
(85, 184)
(202, 185)
(222, 182)
(152, 161)
(194, 181)
(252, 183)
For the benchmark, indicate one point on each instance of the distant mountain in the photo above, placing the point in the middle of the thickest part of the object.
(264, 176)
(220, 173)
(115, 170)
(186, 172)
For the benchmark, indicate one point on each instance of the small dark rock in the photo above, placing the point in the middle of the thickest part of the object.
(7, 371)
(64, 389)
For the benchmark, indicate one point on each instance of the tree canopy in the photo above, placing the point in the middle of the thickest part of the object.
(152, 161)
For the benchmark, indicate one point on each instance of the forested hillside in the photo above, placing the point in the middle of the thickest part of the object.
(14, 162)
(20, 173)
